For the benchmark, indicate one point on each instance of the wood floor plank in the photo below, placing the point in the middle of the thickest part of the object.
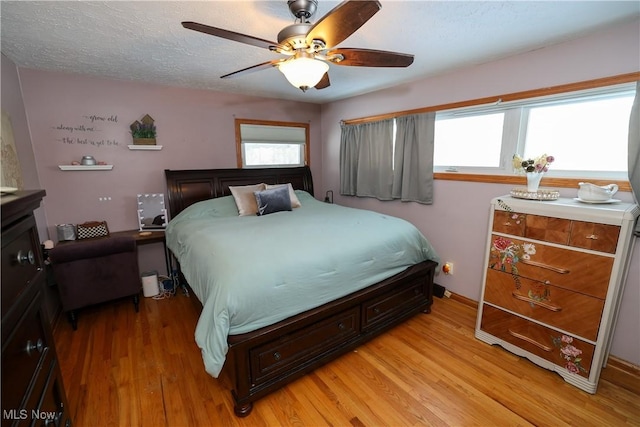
(122, 368)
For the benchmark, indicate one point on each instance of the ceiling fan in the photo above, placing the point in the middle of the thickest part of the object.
(310, 48)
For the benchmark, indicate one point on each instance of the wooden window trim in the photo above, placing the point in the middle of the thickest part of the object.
(238, 122)
(520, 180)
(534, 93)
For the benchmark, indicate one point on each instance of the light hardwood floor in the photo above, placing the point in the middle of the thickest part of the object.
(126, 369)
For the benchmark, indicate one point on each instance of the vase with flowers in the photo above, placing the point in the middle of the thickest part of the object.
(534, 169)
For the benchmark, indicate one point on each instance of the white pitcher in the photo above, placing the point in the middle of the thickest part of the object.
(593, 193)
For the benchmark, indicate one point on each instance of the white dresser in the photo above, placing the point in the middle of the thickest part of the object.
(553, 282)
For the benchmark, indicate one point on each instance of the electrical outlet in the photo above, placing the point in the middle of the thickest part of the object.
(447, 294)
(447, 268)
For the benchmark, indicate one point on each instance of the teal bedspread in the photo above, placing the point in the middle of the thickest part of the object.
(253, 271)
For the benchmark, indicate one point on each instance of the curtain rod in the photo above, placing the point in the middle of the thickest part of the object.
(570, 87)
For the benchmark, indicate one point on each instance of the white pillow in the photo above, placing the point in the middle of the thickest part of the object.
(245, 199)
(295, 203)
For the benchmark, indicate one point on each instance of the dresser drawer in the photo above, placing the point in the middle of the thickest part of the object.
(25, 351)
(548, 229)
(580, 234)
(562, 350)
(21, 261)
(380, 309)
(545, 228)
(597, 237)
(568, 310)
(509, 223)
(50, 407)
(306, 343)
(565, 268)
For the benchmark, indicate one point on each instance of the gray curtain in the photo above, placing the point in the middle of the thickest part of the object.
(370, 168)
(413, 166)
(634, 151)
(348, 160)
(366, 160)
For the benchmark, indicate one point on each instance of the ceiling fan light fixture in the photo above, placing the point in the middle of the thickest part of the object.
(303, 72)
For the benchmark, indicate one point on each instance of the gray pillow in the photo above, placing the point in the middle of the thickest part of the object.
(273, 200)
(295, 203)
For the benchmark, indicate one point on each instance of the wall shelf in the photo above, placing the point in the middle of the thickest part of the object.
(145, 147)
(85, 168)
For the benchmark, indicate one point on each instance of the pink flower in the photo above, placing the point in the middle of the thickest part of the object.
(567, 339)
(572, 367)
(501, 244)
(570, 350)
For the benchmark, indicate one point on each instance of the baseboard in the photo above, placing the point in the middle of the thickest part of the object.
(464, 300)
(624, 365)
(622, 373)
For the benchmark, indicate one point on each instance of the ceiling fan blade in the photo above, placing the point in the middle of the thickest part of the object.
(371, 58)
(342, 21)
(254, 68)
(232, 35)
(324, 82)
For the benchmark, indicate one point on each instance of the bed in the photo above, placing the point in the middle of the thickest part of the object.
(281, 294)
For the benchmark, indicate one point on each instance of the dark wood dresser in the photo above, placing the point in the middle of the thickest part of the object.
(32, 390)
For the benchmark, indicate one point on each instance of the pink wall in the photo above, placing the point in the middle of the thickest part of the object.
(195, 128)
(13, 105)
(457, 221)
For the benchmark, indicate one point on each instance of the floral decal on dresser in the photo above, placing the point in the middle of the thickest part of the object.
(569, 353)
(505, 255)
(518, 218)
(539, 292)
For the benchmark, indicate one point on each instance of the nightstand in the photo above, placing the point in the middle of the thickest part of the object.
(156, 236)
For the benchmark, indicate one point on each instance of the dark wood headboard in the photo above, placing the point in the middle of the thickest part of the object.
(186, 187)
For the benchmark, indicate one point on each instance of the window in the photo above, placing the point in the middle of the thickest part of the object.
(271, 144)
(455, 135)
(258, 154)
(586, 132)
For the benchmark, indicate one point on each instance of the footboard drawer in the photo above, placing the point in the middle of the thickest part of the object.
(304, 345)
(393, 304)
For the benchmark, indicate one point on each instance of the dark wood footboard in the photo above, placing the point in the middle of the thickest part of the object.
(263, 361)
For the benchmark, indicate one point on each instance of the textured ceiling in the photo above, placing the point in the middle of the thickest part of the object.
(144, 41)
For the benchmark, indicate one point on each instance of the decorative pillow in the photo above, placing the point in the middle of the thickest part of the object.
(273, 200)
(245, 199)
(295, 203)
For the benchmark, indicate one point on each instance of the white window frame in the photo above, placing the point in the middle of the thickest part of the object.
(515, 129)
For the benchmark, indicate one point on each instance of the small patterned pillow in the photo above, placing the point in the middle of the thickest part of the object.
(92, 229)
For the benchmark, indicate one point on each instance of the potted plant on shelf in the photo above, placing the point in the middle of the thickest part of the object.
(144, 131)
